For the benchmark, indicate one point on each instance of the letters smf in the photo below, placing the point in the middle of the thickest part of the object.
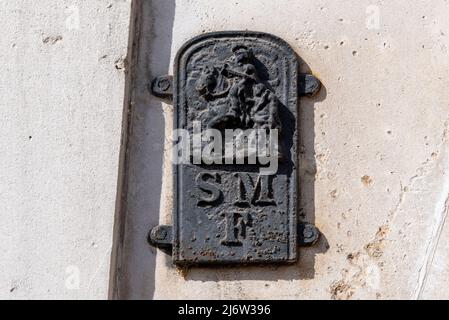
(237, 217)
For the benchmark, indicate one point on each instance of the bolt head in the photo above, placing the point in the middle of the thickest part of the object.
(310, 234)
(159, 234)
(163, 84)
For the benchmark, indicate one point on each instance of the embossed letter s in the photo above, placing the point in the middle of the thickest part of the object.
(215, 193)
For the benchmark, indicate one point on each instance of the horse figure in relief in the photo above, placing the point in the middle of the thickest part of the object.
(236, 96)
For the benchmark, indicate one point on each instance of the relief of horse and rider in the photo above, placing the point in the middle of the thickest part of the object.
(236, 96)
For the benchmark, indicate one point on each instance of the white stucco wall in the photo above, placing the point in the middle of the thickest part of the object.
(374, 167)
(61, 104)
(375, 163)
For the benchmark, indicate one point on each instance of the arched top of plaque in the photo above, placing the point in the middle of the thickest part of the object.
(212, 69)
(231, 210)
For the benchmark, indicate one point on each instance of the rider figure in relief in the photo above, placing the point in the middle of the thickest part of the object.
(236, 96)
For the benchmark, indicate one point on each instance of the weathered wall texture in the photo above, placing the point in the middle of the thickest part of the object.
(376, 153)
(374, 167)
(61, 105)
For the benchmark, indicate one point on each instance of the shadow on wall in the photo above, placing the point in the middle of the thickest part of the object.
(149, 56)
(141, 203)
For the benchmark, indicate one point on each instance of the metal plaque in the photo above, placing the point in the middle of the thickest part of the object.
(229, 210)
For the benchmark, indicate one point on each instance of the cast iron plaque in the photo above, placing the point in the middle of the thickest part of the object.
(228, 213)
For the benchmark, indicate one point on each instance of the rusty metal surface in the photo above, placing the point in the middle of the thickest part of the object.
(229, 213)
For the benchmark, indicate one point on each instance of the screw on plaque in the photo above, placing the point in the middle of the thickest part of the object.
(308, 234)
(161, 237)
(162, 87)
(309, 85)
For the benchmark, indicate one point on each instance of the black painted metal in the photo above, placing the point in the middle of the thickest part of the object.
(162, 87)
(308, 234)
(229, 213)
(161, 237)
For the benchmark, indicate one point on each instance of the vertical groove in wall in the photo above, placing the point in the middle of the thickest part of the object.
(122, 183)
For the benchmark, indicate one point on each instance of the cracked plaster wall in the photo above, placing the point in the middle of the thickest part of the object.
(374, 151)
(374, 148)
